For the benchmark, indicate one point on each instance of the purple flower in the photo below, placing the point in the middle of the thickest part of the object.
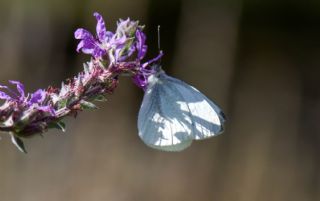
(128, 39)
(145, 70)
(88, 44)
(97, 47)
(35, 101)
(20, 88)
(141, 80)
(47, 109)
(104, 41)
(12, 95)
(3, 95)
(38, 96)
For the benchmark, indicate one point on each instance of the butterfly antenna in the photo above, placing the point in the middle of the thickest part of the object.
(159, 47)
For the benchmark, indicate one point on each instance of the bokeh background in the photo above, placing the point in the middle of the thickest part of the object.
(259, 60)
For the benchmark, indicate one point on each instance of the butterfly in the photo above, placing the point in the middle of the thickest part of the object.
(173, 114)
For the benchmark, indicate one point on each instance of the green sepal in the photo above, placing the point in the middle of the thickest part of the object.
(87, 105)
(126, 47)
(62, 103)
(100, 98)
(18, 143)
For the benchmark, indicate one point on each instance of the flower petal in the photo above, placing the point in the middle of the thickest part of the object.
(80, 46)
(4, 96)
(86, 47)
(140, 80)
(83, 34)
(38, 96)
(103, 34)
(141, 47)
(20, 88)
(47, 109)
(98, 52)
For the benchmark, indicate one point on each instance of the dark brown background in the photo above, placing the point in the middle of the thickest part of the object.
(259, 61)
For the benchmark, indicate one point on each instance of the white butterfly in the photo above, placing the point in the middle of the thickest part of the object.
(173, 114)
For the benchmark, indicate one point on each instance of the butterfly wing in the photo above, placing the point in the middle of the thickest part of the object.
(206, 117)
(174, 113)
(158, 123)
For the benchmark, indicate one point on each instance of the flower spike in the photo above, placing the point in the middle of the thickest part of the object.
(112, 54)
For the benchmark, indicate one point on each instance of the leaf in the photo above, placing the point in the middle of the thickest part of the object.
(100, 98)
(87, 105)
(18, 143)
(58, 125)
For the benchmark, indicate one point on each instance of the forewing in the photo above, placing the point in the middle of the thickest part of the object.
(159, 121)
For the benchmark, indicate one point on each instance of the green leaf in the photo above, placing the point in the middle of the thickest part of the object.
(18, 143)
(87, 105)
(100, 98)
(58, 125)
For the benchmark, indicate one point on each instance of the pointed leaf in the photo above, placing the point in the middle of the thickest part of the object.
(58, 125)
(100, 98)
(18, 143)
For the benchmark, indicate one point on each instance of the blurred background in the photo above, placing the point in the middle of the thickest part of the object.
(259, 60)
